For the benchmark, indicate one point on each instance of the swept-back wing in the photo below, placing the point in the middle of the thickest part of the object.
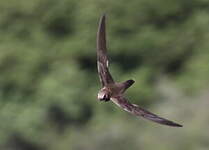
(102, 60)
(138, 111)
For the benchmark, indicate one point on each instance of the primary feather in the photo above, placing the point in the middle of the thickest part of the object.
(138, 111)
(102, 60)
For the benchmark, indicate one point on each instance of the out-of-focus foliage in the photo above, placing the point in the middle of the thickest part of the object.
(49, 82)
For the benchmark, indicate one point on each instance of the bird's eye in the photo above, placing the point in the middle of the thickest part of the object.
(102, 95)
(106, 97)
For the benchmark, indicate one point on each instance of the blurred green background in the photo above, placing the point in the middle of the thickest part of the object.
(49, 81)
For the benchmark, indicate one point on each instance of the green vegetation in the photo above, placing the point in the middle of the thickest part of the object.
(49, 82)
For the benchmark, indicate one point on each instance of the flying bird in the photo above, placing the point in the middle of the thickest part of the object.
(114, 91)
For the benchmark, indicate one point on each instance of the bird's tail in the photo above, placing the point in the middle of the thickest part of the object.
(126, 85)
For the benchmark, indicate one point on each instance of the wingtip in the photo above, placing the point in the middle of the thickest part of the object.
(103, 15)
(174, 124)
(179, 125)
(102, 18)
(101, 37)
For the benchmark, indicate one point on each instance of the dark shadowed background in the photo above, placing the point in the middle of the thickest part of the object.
(49, 81)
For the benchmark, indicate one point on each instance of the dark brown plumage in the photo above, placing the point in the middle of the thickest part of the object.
(114, 91)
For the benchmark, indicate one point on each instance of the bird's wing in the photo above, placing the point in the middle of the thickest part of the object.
(102, 60)
(138, 111)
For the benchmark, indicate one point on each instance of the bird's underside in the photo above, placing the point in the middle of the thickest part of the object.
(114, 91)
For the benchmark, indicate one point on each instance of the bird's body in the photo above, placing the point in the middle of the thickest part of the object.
(112, 90)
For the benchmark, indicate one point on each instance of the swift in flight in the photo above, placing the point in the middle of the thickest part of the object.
(113, 90)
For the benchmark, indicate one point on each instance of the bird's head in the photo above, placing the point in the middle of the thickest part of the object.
(104, 95)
